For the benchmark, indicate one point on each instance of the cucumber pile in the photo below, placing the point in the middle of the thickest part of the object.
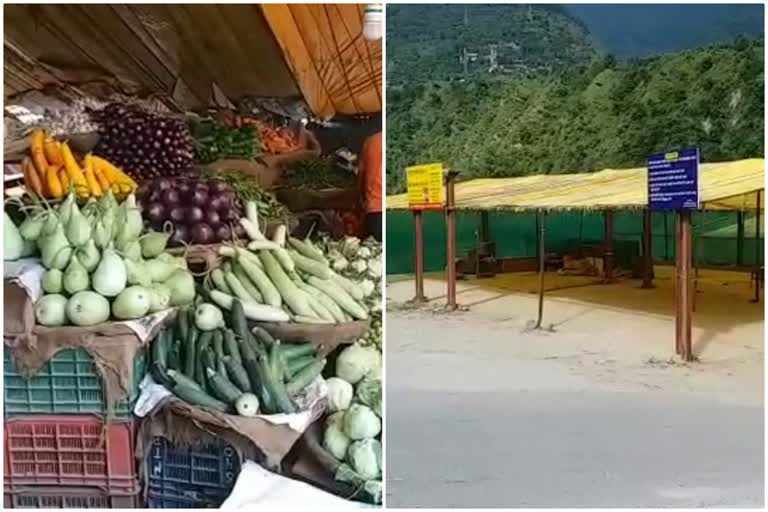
(232, 369)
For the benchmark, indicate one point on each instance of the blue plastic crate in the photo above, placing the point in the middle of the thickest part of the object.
(67, 384)
(197, 477)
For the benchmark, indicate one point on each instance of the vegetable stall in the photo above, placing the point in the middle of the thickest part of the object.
(151, 253)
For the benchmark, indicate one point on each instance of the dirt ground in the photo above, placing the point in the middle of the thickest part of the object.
(595, 410)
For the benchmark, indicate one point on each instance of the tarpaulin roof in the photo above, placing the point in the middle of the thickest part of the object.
(723, 186)
(180, 51)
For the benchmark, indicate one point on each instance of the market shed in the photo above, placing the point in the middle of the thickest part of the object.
(580, 210)
(729, 186)
(191, 56)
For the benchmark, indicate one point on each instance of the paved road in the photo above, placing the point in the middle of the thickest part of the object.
(466, 429)
(549, 449)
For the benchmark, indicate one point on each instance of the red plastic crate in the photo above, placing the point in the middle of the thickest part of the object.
(41, 496)
(69, 450)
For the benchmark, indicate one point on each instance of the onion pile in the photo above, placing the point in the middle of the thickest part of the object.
(144, 144)
(194, 209)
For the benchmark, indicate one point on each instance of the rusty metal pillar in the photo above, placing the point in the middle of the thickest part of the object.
(450, 211)
(678, 286)
(739, 239)
(686, 239)
(608, 246)
(758, 271)
(647, 249)
(418, 229)
(542, 225)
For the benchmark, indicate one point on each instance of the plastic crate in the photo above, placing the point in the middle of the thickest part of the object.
(69, 450)
(68, 383)
(70, 497)
(198, 477)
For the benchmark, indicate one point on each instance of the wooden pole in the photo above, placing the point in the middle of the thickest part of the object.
(451, 239)
(542, 223)
(418, 228)
(758, 272)
(647, 250)
(608, 246)
(685, 289)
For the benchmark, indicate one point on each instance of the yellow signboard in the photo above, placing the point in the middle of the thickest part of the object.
(425, 186)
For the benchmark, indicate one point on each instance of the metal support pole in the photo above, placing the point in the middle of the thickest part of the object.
(678, 286)
(418, 228)
(542, 225)
(450, 210)
(647, 250)
(608, 246)
(758, 271)
(485, 227)
(685, 281)
(739, 239)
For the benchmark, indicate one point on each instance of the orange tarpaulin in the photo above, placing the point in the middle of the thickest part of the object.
(181, 53)
(337, 70)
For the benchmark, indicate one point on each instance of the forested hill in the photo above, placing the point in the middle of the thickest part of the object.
(641, 30)
(428, 42)
(604, 114)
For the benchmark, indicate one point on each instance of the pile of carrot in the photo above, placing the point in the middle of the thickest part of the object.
(275, 141)
(52, 171)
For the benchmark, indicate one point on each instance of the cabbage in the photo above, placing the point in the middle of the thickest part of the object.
(360, 422)
(356, 361)
(339, 394)
(368, 392)
(359, 266)
(336, 441)
(365, 458)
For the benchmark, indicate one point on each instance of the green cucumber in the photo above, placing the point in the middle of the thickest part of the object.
(218, 343)
(205, 339)
(173, 354)
(160, 375)
(237, 374)
(302, 379)
(274, 382)
(182, 323)
(294, 350)
(222, 388)
(196, 396)
(185, 380)
(295, 365)
(232, 347)
(263, 336)
(190, 352)
(159, 348)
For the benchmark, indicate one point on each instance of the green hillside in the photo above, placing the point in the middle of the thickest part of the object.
(427, 42)
(593, 116)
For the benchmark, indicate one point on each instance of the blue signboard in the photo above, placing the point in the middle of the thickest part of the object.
(673, 180)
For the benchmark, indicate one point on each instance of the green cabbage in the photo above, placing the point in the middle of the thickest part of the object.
(360, 422)
(365, 458)
(368, 392)
(356, 361)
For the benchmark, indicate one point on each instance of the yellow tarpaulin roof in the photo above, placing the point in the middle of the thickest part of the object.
(337, 70)
(723, 186)
(179, 51)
